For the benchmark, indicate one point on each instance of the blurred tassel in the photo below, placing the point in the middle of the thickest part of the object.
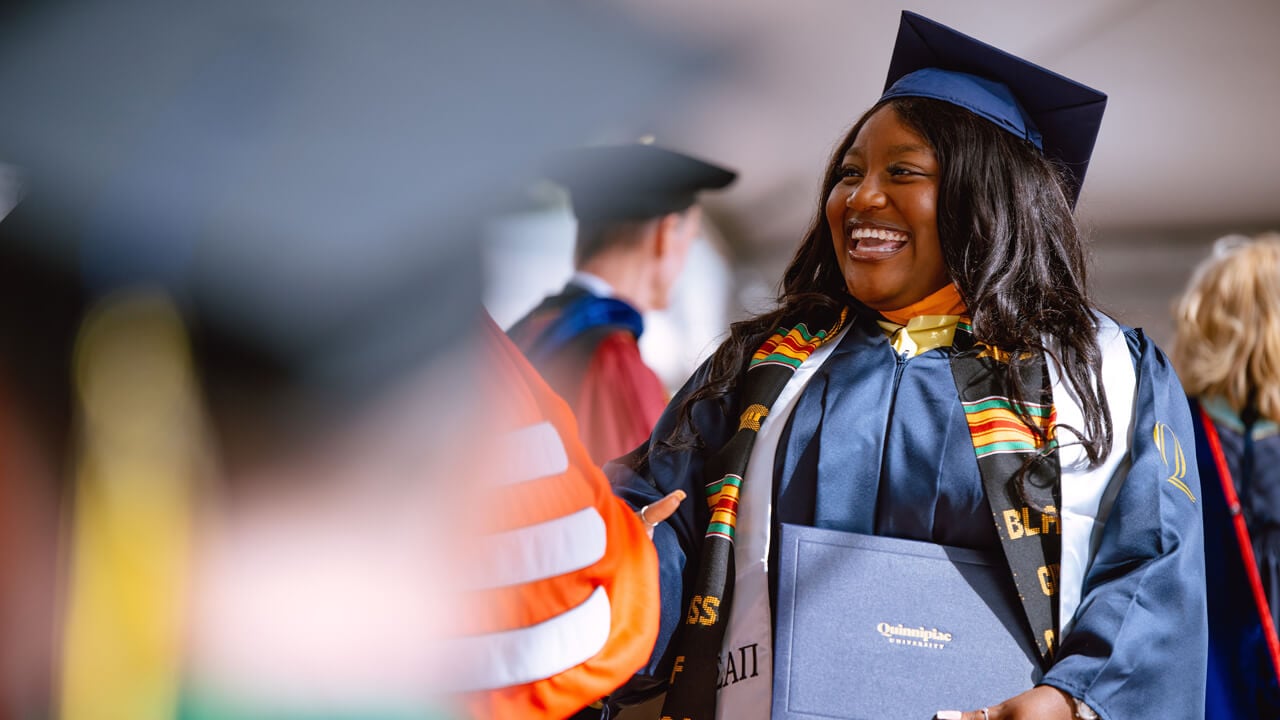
(132, 511)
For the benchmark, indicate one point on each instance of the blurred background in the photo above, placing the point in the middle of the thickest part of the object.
(255, 430)
(1186, 152)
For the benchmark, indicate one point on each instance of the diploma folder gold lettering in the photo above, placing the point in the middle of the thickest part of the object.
(882, 628)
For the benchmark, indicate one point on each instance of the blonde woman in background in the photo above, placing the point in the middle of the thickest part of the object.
(1227, 353)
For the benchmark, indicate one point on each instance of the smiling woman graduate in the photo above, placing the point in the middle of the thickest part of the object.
(934, 367)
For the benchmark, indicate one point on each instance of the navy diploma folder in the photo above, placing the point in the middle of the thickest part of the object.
(881, 628)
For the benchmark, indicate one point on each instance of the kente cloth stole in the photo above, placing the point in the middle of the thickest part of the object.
(1020, 473)
(692, 693)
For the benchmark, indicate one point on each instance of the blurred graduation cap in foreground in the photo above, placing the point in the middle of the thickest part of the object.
(634, 181)
(305, 177)
(1058, 115)
(305, 181)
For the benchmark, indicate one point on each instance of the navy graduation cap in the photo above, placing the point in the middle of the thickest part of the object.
(633, 181)
(1059, 115)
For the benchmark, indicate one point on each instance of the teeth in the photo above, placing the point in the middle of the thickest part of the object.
(878, 234)
(878, 249)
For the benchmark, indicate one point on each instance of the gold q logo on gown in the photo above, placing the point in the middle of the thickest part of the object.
(1174, 459)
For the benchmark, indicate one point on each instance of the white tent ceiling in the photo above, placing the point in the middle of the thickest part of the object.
(1188, 138)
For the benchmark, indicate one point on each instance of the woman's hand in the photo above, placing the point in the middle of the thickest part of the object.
(654, 513)
(1042, 702)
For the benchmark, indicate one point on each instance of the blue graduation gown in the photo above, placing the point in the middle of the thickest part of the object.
(879, 444)
(1241, 678)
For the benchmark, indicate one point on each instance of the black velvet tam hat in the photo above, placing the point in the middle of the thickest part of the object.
(634, 181)
(1059, 115)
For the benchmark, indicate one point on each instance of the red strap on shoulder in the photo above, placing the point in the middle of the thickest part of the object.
(1246, 544)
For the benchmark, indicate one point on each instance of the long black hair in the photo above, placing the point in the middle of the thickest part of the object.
(1010, 244)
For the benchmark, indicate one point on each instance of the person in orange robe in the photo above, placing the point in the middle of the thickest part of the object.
(637, 218)
(570, 622)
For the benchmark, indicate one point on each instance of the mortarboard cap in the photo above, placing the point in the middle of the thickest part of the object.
(311, 196)
(634, 181)
(1060, 116)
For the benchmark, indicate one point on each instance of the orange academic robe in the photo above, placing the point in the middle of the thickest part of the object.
(555, 491)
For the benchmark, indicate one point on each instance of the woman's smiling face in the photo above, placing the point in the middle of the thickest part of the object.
(883, 215)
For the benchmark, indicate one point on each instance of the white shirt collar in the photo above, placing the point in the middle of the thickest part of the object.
(593, 284)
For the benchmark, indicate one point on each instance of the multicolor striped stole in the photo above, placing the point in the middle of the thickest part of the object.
(1020, 473)
(692, 695)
